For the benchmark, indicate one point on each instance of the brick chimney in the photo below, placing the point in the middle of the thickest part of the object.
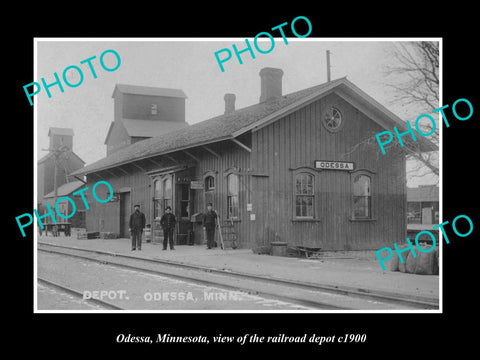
(229, 103)
(271, 84)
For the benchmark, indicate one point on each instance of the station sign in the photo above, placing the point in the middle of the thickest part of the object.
(334, 165)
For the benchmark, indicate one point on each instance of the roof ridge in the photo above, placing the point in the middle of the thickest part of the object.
(226, 126)
(250, 113)
(267, 103)
(152, 120)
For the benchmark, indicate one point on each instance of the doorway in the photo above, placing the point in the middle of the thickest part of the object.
(184, 205)
(125, 211)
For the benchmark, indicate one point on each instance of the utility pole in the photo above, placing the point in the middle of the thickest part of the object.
(328, 65)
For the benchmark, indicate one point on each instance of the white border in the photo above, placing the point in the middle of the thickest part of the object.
(306, 39)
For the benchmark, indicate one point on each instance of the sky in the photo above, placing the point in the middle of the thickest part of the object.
(191, 65)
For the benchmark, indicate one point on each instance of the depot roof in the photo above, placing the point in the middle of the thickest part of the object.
(251, 118)
(66, 189)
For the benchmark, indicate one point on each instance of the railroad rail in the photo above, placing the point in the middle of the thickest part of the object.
(380, 297)
(77, 294)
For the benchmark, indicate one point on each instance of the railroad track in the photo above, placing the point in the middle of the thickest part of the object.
(77, 294)
(381, 298)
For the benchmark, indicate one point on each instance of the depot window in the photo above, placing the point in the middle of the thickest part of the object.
(361, 196)
(167, 193)
(304, 195)
(333, 119)
(157, 196)
(232, 196)
(209, 183)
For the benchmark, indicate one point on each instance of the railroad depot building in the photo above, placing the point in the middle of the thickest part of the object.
(288, 168)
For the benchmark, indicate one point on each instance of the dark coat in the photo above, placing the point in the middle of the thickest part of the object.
(209, 219)
(168, 221)
(137, 221)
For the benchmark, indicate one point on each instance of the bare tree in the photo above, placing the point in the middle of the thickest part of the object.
(416, 67)
(414, 78)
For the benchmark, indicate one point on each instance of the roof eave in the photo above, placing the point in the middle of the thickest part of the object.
(88, 171)
(425, 144)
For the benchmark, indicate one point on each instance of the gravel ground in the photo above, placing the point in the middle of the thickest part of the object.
(51, 298)
(361, 272)
(138, 291)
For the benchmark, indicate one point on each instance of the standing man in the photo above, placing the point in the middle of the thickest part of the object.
(136, 224)
(168, 224)
(209, 224)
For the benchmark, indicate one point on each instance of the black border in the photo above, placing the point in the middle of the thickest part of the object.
(410, 334)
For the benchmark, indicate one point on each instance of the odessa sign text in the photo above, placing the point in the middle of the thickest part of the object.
(333, 165)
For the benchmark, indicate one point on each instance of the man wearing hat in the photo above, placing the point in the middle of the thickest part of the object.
(136, 224)
(209, 224)
(168, 221)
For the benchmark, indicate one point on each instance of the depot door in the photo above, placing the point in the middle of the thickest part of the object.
(125, 211)
(184, 204)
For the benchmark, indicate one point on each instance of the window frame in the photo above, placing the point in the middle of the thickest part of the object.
(316, 193)
(157, 199)
(167, 201)
(342, 118)
(296, 195)
(210, 195)
(371, 197)
(209, 188)
(230, 197)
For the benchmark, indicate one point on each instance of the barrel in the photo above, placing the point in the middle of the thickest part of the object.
(279, 248)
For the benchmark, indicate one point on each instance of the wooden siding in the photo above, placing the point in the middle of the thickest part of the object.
(233, 158)
(291, 145)
(106, 217)
(266, 178)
